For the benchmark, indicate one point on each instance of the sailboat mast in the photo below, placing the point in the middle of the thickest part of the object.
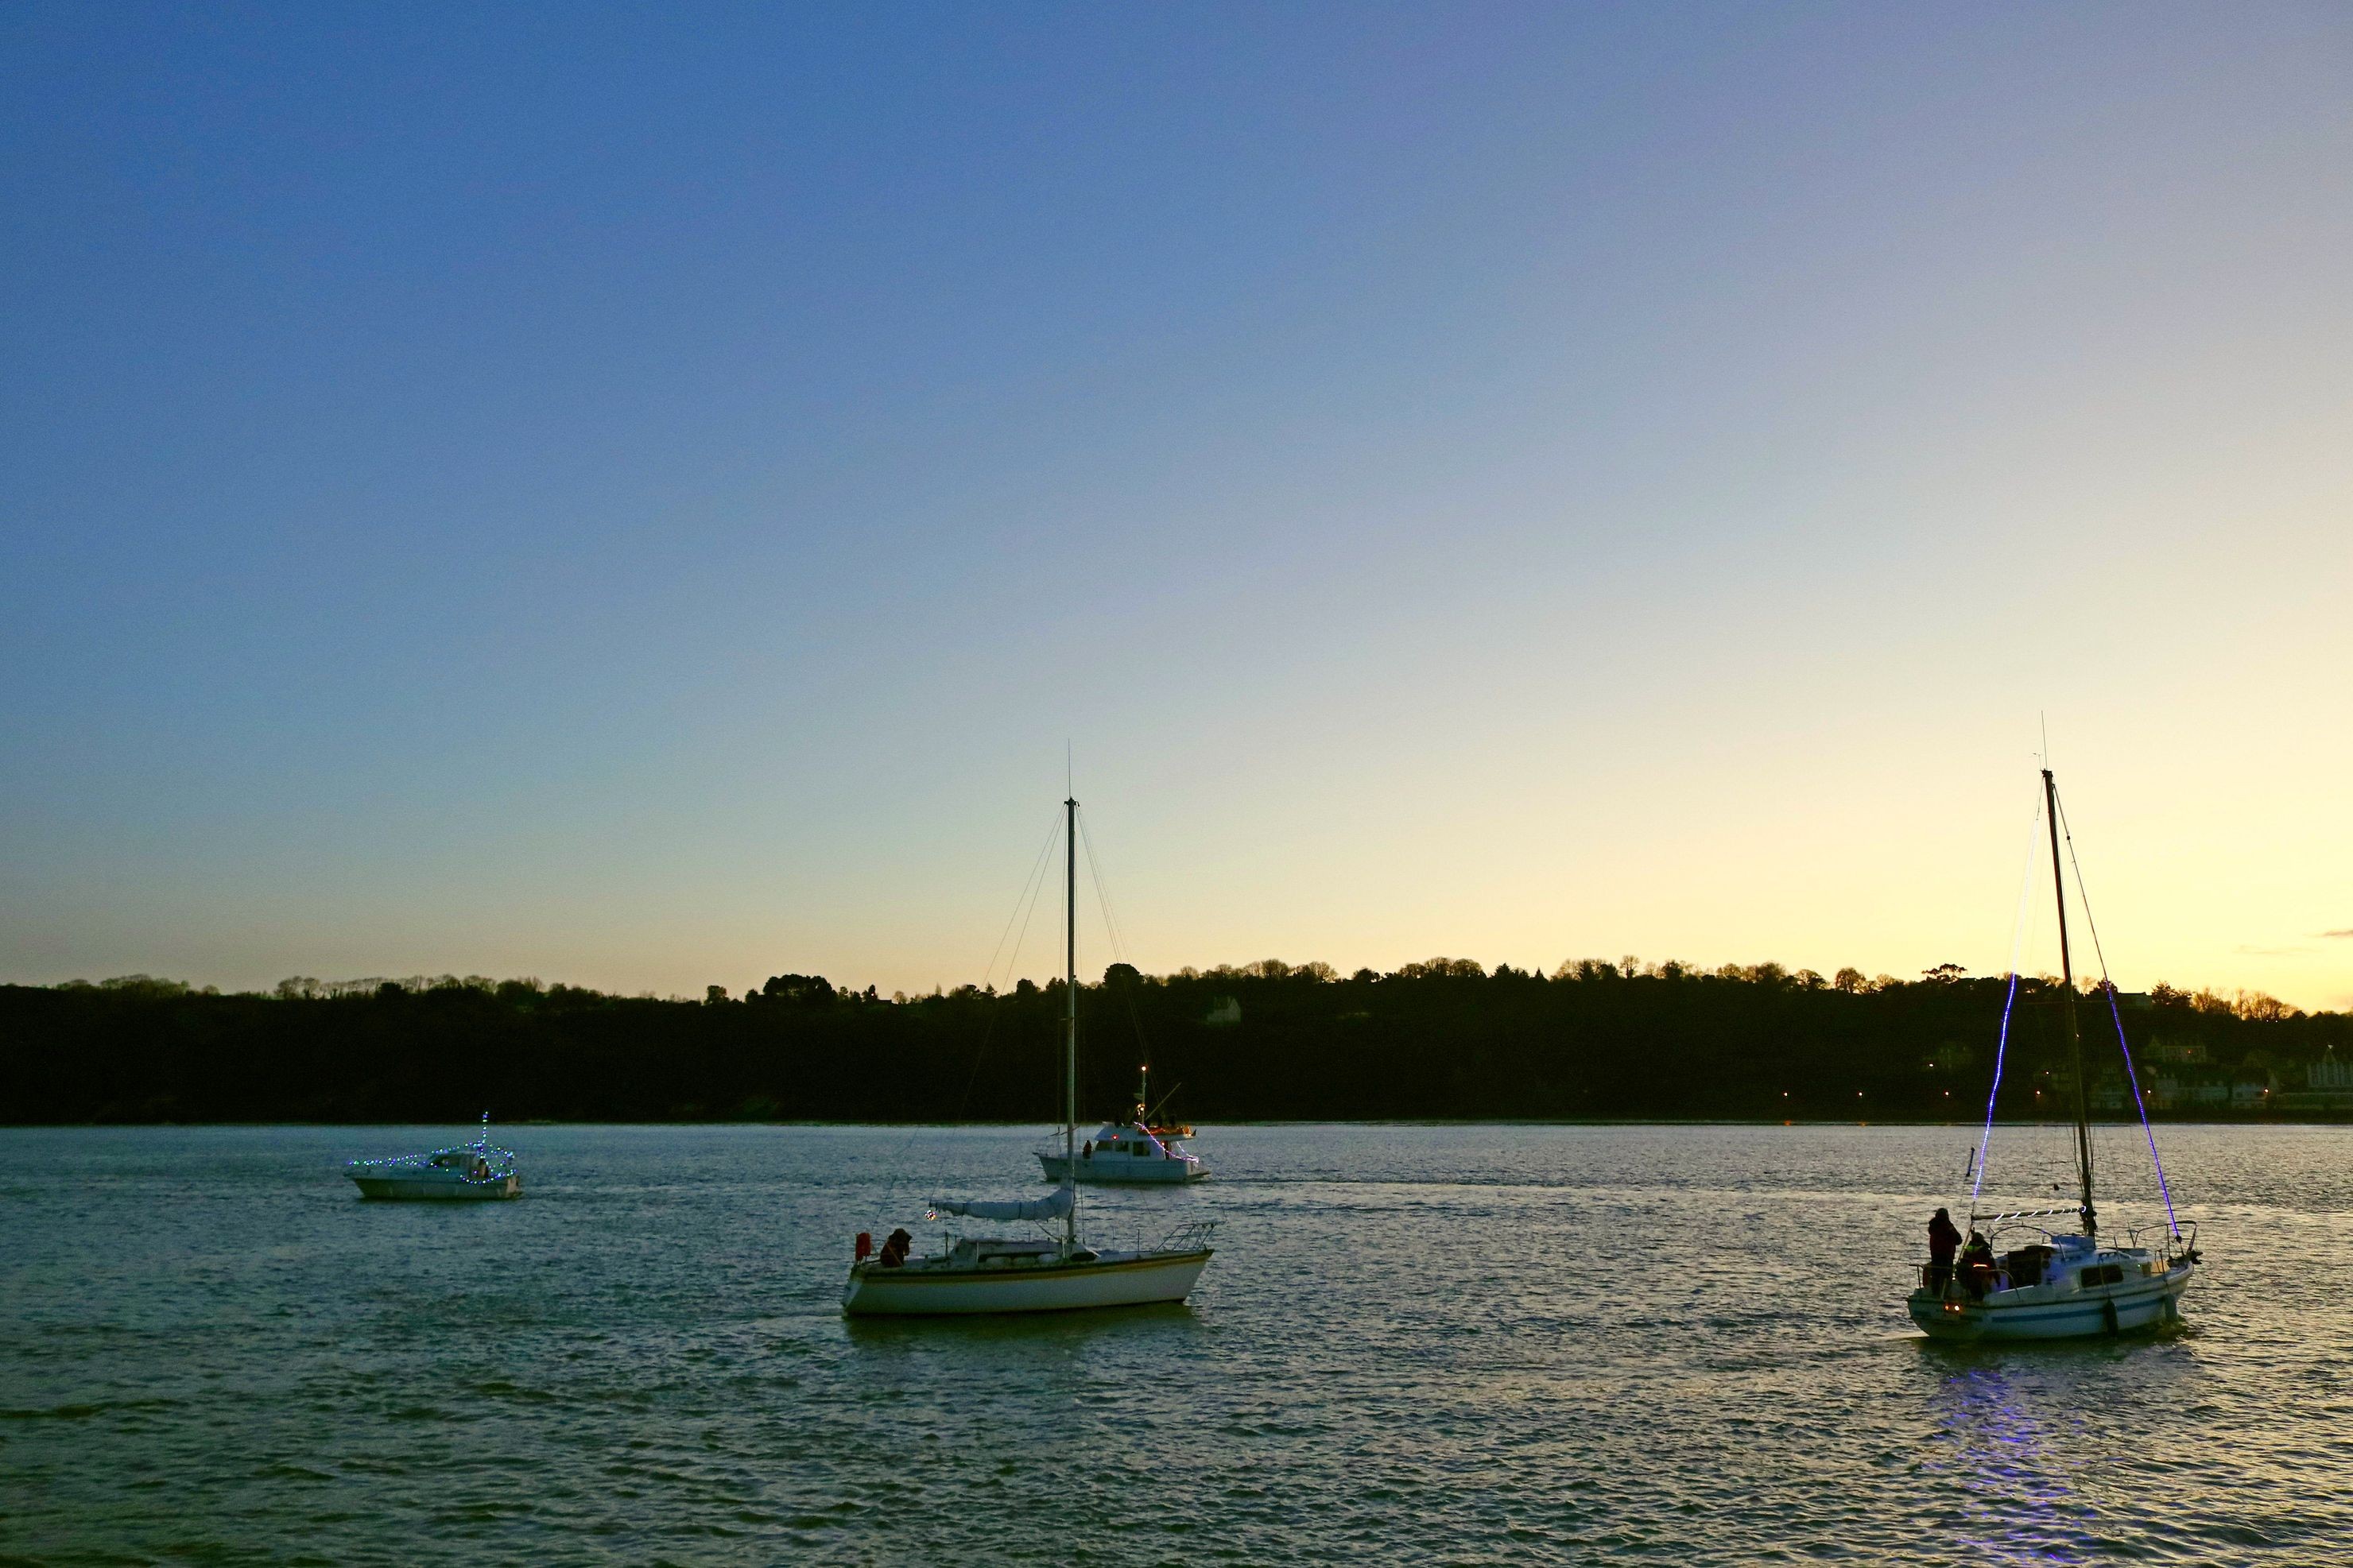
(1071, 1012)
(2067, 996)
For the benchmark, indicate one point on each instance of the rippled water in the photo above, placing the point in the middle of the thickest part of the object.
(1448, 1344)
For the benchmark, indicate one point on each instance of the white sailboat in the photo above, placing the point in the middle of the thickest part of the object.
(1048, 1271)
(2056, 1283)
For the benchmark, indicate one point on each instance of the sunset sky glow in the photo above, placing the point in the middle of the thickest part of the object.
(643, 498)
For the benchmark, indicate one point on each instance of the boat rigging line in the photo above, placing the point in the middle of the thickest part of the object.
(2107, 985)
(1031, 886)
(2010, 999)
(1025, 905)
(1025, 908)
(1118, 936)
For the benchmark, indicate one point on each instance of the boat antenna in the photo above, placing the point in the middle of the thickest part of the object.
(1071, 1017)
(2067, 996)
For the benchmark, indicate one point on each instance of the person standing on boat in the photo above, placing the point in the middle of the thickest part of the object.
(1944, 1241)
(895, 1249)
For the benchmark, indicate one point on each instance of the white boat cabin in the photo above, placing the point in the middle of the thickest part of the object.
(1137, 1142)
(1130, 1151)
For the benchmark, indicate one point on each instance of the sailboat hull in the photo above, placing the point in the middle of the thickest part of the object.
(2040, 1314)
(933, 1288)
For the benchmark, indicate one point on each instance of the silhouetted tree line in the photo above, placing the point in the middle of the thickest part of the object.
(1270, 1040)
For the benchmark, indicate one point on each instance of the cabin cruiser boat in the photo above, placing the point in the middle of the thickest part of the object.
(1141, 1150)
(470, 1172)
(2066, 1281)
(1049, 1270)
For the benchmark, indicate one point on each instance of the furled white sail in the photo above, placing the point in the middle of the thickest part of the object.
(1054, 1205)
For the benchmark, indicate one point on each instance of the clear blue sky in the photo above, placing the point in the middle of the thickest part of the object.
(642, 495)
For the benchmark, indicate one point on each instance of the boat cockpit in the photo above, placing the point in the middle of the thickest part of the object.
(1135, 1140)
(2055, 1265)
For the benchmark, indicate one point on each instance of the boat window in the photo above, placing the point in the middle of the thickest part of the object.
(1143, 1149)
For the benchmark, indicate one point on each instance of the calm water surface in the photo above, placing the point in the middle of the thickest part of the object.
(1445, 1344)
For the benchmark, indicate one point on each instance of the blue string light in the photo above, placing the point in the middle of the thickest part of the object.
(2002, 1050)
(2131, 1072)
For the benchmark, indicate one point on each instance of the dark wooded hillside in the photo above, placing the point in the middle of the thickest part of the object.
(1267, 1041)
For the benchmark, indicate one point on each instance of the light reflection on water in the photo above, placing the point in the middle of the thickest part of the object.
(2022, 1509)
(1451, 1343)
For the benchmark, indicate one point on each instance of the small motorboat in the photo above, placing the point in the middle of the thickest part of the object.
(1142, 1149)
(468, 1172)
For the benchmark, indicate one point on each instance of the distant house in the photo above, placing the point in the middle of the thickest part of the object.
(2328, 1086)
(1223, 1013)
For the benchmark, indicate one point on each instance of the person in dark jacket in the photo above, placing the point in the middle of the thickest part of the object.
(1944, 1241)
(895, 1249)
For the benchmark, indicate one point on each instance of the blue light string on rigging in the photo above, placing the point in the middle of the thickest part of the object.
(2108, 985)
(2010, 998)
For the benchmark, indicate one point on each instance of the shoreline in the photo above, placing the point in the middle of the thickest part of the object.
(2251, 1122)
